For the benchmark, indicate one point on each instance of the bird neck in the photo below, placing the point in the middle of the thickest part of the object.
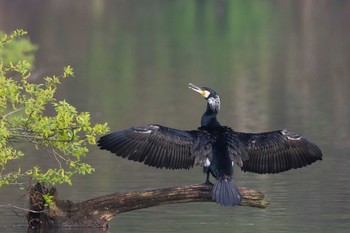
(209, 119)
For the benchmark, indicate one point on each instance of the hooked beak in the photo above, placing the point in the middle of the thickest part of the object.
(201, 91)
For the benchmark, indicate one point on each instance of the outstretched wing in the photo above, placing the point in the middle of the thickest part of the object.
(277, 151)
(158, 146)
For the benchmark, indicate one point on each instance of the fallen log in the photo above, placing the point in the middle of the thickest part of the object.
(97, 212)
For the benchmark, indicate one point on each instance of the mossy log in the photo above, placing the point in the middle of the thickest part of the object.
(97, 212)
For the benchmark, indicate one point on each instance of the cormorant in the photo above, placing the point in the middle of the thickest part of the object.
(215, 147)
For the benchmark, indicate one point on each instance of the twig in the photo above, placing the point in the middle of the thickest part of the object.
(11, 206)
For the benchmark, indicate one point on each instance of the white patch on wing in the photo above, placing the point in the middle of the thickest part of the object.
(147, 130)
(291, 138)
(291, 135)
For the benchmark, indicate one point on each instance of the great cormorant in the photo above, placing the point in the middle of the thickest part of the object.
(215, 147)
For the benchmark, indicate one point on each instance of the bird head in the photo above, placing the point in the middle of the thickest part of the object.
(209, 94)
(206, 92)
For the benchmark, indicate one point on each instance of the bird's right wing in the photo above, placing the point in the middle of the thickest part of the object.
(277, 151)
(158, 146)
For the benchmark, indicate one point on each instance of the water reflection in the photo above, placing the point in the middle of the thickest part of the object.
(275, 64)
(71, 230)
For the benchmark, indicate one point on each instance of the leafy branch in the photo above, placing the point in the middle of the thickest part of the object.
(29, 112)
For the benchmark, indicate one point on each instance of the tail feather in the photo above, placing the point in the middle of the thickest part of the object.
(226, 193)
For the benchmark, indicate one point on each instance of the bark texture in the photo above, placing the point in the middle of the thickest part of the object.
(97, 212)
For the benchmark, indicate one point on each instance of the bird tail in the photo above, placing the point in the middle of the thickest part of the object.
(226, 193)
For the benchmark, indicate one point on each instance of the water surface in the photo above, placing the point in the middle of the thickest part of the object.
(275, 65)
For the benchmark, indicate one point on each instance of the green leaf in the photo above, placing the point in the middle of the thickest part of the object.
(32, 113)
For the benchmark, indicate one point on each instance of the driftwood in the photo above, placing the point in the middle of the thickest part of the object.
(97, 212)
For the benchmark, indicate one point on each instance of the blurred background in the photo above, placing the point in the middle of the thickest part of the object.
(275, 64)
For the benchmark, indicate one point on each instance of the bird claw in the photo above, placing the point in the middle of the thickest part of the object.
(208, 182)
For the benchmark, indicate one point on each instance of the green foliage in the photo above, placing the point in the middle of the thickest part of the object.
(30, 112)
(14, 49)
(48, 199)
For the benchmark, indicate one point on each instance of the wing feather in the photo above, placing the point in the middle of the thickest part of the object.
(277, 151)
(159, 146)
(235, 148)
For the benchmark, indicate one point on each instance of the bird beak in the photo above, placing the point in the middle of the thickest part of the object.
(201, 91)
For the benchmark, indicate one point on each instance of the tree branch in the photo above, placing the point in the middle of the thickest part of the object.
(97, 212)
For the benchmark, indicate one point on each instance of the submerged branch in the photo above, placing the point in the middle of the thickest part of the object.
(97, 212)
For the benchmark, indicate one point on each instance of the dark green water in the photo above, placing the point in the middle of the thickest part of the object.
(275, 65)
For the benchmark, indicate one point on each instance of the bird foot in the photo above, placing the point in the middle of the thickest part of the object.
(208, 182)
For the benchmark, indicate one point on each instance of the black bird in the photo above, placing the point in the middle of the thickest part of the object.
(215, 147)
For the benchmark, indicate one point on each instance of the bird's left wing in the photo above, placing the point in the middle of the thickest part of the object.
(277, 151)
(157, 146)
